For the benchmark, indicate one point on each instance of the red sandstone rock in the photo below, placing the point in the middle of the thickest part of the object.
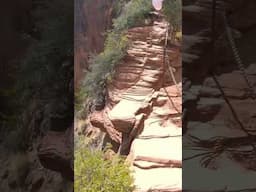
(145, 109)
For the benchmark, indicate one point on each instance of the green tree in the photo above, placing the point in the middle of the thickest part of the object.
(94, 173)
(172, 10)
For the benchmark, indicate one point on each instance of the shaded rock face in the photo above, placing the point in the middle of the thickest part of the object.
(92, 19)
(27, 174)
(143, 110)
(23, 172)
(55, 152)
(243, 17)
(197, 37)
(209, 123)
(14, 20)
(50, 168)
(198, 85)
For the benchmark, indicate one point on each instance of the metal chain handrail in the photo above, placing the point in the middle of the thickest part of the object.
(237, 57)
(166, 58)
(215, 78)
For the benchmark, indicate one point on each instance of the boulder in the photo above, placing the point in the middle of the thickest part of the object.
(55, 152)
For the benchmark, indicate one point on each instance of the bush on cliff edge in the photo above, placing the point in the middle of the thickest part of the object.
(96, 173)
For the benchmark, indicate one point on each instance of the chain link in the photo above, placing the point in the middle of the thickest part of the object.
(166, 58)
(237, 57)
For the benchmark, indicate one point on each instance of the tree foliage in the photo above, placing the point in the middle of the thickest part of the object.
(133, 13)
(172, 10)
(94, 173)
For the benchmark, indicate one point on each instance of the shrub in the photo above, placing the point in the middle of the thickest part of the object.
(94, 173)
(133, 14)
(172, 10)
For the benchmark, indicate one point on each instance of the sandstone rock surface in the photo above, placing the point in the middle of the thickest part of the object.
(143, 113)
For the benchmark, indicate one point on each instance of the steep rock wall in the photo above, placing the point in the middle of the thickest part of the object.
(92, 19)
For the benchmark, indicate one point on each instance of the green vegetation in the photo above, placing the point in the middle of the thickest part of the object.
(94, 173)
(172, 10)
(116, 44)
(133, 14)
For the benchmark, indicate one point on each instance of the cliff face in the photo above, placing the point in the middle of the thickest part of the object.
(14, 20)
(92, 19)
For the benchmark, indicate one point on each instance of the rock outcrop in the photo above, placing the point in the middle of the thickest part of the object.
(55, 152)
(90, 24)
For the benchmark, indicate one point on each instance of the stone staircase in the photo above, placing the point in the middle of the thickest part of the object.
(145, 111)
(156, 151)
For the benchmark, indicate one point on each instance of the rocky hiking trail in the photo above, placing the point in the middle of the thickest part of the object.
(143, 112)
